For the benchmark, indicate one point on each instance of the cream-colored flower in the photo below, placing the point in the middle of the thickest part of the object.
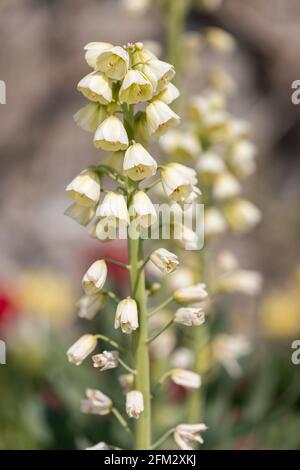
(191, 294)
(220, 40)
(135, 88)
(114, 62)
(214, 222)
(242, 215)
(178, 181)
(190, 316)
(143, 209)
(90, 305)
(100, 446)
(80, 350)
(138, 163)
(114, 208)
(160, 118)
(158, 73)
(226, 186)
(222, 81)
(209, 102)
(186, 434)
(241, 158)
(169, 94)
(186, 378)
(210, 163)
(127, 316)
(106, 360)
(85, 188)
(93, 49)
(164, 260)
(95, 277)
(227, 349)
(135, 7)
(240, 280)
(90, 116)
(134, 404)
(111, 135)
(96, 87)
(96, 403)
(82, 215)
(183, 144)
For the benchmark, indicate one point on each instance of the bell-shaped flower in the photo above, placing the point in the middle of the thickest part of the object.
(80, 350)
(226, 186)
(127, 316)
(186, 378)
(242, 215)
(96, 403)
(114, 208)
(90, 116)
(142, 209)
(93, 49)
(111, 135)
(169, 94)
(85, 188)
(90, 305)
(190, 316)
(190, 294)
(138, 163)
(160, 118)
(186, 434)
(159, 73)
(106, 360)
(135, 88)
(82, 215)
(134, 404)
(178, 181)
(96, 87)
(95, 277)
(164, 260)
(114, 62)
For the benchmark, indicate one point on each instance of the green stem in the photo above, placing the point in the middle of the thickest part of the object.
(156, 335)
(121, 420)
(112, 343)
(118, 263)
(129, 369)
(142, 429)
(160, 307)
(162, 438)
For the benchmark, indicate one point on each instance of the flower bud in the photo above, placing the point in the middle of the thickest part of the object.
(160, 117)
(164, 260)
(138, 163)
(143, 209)
(186, 378)
(93, 49)
(96, 403)
(191, 294)
(85, 188)
(135, 88)
(127, 316)
(111, 135)
(80, 350)
(190, 316)
(90, 116)
(178, 182)
(96, 87)
(90, 305)
(134, 404)
(82, 215)
(185, 434)
(106, 360)
(113, 62)
(126, 381)
(95, 277)
(114, 207)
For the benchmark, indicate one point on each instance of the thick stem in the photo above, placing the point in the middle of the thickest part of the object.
(142, 431)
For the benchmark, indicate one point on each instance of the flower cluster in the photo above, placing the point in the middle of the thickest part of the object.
(122, 78)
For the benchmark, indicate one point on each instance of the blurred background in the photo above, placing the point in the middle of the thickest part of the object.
(44, 253)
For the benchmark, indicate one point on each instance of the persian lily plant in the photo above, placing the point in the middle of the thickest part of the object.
(129, 91)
